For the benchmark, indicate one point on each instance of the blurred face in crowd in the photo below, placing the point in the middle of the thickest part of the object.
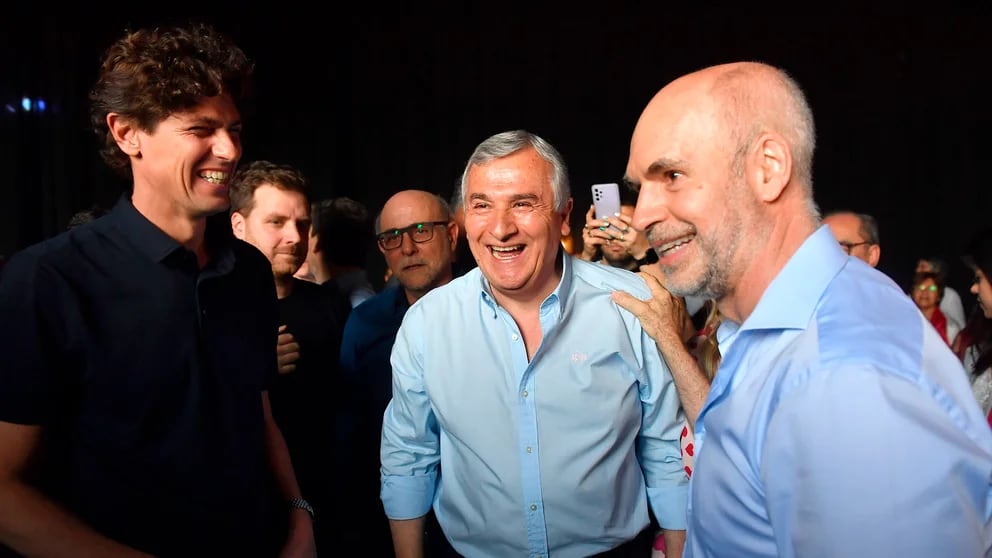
(983, 290)
(926, 294)
(422, 259)
(615, 253)
(278, 224)
(847, 231)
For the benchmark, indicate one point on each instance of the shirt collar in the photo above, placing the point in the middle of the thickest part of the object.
(558, 297)
(155, 244)
(791, 298)
(142, 233)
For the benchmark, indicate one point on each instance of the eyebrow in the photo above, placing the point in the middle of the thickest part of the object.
(413, 224)
(212, 122)
(280, 215)
(656, 167)
(662, 164)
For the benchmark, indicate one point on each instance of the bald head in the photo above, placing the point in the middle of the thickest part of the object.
(857, 233)
(405, 202)
(423, 259)
(735, 103)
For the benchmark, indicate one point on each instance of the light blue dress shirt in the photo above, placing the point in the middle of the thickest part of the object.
(838, 424)
(558, 455)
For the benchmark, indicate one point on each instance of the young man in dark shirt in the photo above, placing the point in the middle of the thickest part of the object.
(134, 414)
(270, 209)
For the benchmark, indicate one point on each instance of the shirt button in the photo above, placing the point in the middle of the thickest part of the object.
(530, 449)
(525, 394)
(515, 337)
(533, 507)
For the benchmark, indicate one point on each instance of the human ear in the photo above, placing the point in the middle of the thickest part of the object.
(125, 134)
(770, 166)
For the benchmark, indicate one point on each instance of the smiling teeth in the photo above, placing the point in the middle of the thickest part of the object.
(500, 252)
(214, 177)
(671, 245)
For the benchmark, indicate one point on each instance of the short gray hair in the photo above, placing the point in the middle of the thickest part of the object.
(505, 144)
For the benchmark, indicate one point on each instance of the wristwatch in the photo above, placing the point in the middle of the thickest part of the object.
(303, 505)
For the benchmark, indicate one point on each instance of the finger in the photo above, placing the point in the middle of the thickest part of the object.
(591, 214)
(657, 288)
(629, 302)
(662, 295)
(282, 328)
(288, 357)
(615, 222)
(285, 338)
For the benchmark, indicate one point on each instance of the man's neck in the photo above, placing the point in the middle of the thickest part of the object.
(770, 257)
(414, 296)
(284, 286)
(186, 230)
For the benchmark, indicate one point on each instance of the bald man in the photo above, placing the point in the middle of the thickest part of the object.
(857, 234)
(417, 236)
(838, 423)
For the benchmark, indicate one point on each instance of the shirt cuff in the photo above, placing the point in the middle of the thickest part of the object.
(670, 505)
(405, 497)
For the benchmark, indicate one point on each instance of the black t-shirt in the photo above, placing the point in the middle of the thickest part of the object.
(145, 374)
(304, 401)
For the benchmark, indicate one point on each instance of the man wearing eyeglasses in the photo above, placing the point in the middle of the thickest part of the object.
(417, 237)
(857, 234)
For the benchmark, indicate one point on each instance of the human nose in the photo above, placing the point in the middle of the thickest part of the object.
(651, 208)
(291, 233)
(407, 245)
(227, 146)
(503, 224)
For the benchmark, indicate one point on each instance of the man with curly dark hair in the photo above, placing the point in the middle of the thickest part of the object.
(134, 412)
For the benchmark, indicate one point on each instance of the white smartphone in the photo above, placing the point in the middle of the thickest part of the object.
(606, 199)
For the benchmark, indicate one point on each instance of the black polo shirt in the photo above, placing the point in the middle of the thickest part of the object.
(146, 375)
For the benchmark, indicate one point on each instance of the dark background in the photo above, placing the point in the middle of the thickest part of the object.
(377, 97)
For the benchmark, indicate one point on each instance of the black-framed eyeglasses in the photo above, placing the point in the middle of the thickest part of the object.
(848, 246)
(419, 232)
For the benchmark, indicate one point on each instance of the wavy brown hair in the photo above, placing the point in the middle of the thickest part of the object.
(152, 73)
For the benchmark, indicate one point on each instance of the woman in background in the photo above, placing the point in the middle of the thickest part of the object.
(927, 292)
(974, 344)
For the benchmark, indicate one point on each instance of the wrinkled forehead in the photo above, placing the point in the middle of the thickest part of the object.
(524, 173)
(674, 126)
(410, 210)
(844, 225)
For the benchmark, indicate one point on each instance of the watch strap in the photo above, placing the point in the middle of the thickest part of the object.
(300, 503)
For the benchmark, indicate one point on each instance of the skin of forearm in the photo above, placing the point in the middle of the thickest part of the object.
(674, 543)
(33, 525)
(408, 537)
(690, 381)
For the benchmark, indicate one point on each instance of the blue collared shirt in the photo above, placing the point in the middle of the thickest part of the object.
(838, 424)
(558, 455)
